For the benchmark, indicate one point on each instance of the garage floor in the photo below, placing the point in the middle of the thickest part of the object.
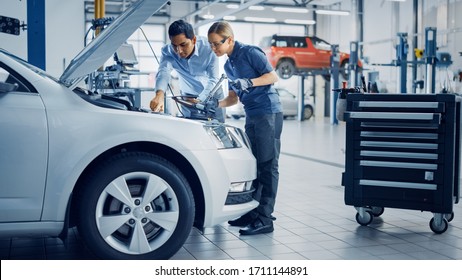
(312, 220)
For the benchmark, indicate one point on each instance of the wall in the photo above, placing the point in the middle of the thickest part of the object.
(12, 43)
(64, 23)
(65, 31)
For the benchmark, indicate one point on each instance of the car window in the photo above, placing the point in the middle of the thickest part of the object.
(320, 43)
(299, 42)
(289, 42)
(280, 42)
(284, 93)
(10, 77)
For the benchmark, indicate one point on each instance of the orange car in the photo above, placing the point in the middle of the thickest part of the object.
(290, 55)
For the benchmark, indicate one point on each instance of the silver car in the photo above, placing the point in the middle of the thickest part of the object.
(289, 106)
(133, 182)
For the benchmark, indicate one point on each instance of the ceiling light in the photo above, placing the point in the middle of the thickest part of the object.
(300, 21)
(259, 19)
(396, 0)
(332, 12)
(208, 16)
(229, 18)
(232, 6)
(256, 8)
(290, 10)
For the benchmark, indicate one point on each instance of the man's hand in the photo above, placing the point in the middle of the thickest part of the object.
(157, 103)
(242, 84)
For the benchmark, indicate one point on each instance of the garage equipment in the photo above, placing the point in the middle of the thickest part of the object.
(402, 151)
(206, 108)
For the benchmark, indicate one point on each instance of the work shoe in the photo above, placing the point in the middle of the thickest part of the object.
(241, 222)
(257, 227)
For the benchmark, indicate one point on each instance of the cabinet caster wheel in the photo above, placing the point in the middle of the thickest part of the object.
(365, 219)
(377, 211)
(438, 227)
(449, 217)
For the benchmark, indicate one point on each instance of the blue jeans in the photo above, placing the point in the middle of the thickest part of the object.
(264, 132)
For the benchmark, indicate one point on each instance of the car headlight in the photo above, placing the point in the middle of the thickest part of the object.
(243, 136)
(222, 136)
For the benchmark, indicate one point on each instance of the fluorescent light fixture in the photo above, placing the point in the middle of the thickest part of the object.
(290, 10)
(256, 8)
(396, 0)
(300, 21)
(232, 6)
(259, 19)
(230, 18)
(333, 12)
(208, 16)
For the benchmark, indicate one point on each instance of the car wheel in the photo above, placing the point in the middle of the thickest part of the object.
(135, 206)
(236, 117)
(307, 112)
(285, 69)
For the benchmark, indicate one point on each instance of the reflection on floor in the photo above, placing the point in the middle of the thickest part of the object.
(312, 220)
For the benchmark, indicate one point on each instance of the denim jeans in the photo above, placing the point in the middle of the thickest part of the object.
(264, 132)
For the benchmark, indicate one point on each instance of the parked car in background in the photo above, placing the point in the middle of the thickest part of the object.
(289, 103)
(292, 54)
(133, 182)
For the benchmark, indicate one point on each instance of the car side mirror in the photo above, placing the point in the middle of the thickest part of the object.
(6, 87)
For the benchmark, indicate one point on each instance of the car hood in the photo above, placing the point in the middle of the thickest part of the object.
(95, 54)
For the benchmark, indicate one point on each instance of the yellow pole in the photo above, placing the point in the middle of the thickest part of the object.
(99, 13)
(102, 9)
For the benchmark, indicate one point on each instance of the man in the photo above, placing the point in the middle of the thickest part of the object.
(196, 65)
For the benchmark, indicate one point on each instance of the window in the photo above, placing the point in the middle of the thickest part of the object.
(9, 77)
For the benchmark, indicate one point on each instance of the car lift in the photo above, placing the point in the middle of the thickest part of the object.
(334, 72)
(431, 59)
(353, 75)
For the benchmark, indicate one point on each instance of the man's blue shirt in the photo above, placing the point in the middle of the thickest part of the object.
(248, 61)
(198, 74)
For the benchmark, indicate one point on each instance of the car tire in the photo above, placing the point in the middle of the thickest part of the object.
(285, 69)
(236, 117)
(307, 112)
(135, 205)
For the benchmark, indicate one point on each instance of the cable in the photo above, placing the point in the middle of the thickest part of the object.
(86, 35)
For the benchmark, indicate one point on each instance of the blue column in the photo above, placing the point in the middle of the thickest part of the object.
(36, 54)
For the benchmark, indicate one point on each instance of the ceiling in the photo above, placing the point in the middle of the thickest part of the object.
(205, 11)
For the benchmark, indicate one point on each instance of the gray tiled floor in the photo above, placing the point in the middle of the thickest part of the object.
(312, 220)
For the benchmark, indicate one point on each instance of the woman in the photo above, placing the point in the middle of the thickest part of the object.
(251, 78)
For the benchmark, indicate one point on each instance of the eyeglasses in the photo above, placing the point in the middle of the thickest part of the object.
(218, 44)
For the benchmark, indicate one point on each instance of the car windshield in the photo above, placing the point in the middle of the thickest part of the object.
(265, 42)
(29, 66)
(320, 43)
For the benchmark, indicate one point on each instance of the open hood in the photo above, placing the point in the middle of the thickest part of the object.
(95, 54)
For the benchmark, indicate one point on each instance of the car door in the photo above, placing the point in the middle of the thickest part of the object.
(303, 53)
(289, 102)
(23, 150)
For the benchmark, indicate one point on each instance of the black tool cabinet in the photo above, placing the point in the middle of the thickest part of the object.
(402, 151)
